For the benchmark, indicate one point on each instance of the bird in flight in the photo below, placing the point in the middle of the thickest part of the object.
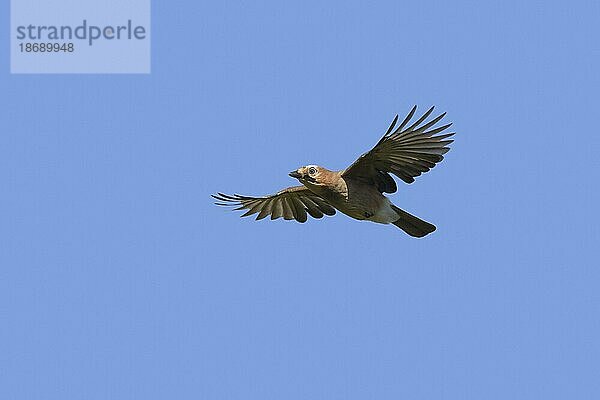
(406, 151)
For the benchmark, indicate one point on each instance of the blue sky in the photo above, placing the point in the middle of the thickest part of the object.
(121, 280)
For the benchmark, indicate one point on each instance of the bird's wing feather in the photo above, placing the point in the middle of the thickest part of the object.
(291, 203)
(406, 152)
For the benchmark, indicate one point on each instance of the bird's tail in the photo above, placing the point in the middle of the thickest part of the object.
(412, 225)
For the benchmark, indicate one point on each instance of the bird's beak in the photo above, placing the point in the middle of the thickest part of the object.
(295, 174)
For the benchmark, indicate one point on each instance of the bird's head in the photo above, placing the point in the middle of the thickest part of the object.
(310, 174)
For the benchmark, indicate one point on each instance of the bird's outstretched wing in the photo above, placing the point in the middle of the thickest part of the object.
(406, 152)
(291, 203)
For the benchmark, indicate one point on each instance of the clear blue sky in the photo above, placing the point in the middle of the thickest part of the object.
(120, 280)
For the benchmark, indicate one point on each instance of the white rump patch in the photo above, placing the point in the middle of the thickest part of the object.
(385, 214)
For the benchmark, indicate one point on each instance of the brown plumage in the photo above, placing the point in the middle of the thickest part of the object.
(357, 191)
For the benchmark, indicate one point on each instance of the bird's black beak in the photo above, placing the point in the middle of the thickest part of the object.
(295, 174)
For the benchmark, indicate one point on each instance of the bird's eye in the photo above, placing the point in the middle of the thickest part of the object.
(312, 171)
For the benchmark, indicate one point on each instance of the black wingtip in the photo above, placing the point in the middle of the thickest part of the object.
(224, 199)
(392, 125)
(406, 119)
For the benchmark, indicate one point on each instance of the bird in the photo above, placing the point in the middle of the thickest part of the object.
(406, 150)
